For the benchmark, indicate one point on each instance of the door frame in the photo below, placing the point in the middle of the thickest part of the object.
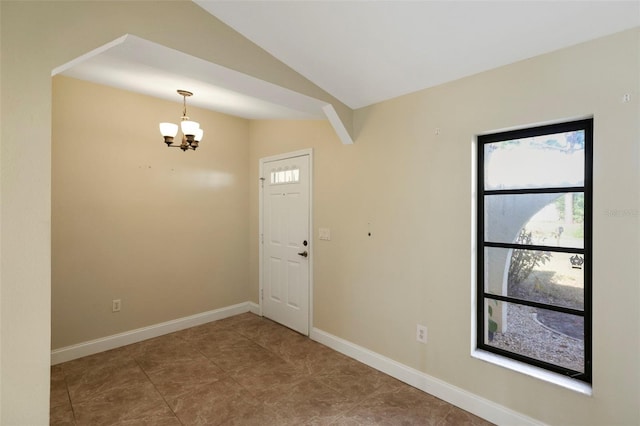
(261, 180)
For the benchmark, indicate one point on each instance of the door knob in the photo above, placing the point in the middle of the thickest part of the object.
(304, 254)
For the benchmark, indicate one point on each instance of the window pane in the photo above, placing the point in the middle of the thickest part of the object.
(545, 277)
(280, 176)
(548, 336)
(555, 220)
(554, 160)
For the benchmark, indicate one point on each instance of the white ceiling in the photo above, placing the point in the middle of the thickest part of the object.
(138, 65)
(361, 52)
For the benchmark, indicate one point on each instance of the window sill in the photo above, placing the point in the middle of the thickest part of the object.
(530, 370)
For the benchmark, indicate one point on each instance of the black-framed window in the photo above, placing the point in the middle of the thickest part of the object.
(534, 258)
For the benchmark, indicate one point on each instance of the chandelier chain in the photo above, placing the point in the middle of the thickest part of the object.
(184, 108)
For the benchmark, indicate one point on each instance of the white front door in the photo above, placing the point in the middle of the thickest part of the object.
(286, 241)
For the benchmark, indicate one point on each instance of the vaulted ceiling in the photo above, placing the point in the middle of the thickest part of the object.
(361, 52)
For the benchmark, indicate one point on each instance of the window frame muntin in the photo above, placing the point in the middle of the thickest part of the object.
(587, 188)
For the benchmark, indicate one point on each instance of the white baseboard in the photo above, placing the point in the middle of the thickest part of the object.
(254, 308)
(91, 347)
(468, 401)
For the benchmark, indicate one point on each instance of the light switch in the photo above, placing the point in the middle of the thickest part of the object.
(324, 234)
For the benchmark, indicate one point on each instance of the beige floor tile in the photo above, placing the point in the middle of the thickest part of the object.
(243, 370)
(173, 378)
(215, 340)
(357, 381)
(109, 359)
(311, 403)
(260, 415)
(213, 403)
(61, 415)
(58, 391)
(458, 417)
(91, 383)
(150, 421)
(164, 347)
(270, 384)
(404, 405)
(134, 403)
(241, 356)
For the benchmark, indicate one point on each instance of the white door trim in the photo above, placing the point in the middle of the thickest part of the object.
(261, 178)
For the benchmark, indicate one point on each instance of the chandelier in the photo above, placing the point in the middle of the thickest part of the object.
(191, 131)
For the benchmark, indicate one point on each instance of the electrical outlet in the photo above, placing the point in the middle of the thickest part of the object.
(116, 304)
(421, 333)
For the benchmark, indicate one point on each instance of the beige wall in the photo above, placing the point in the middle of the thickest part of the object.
(37, 37)
(414, 188)
(163, 230)
(411, 186)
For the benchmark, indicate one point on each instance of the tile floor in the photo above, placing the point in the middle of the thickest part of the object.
(243, 370)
